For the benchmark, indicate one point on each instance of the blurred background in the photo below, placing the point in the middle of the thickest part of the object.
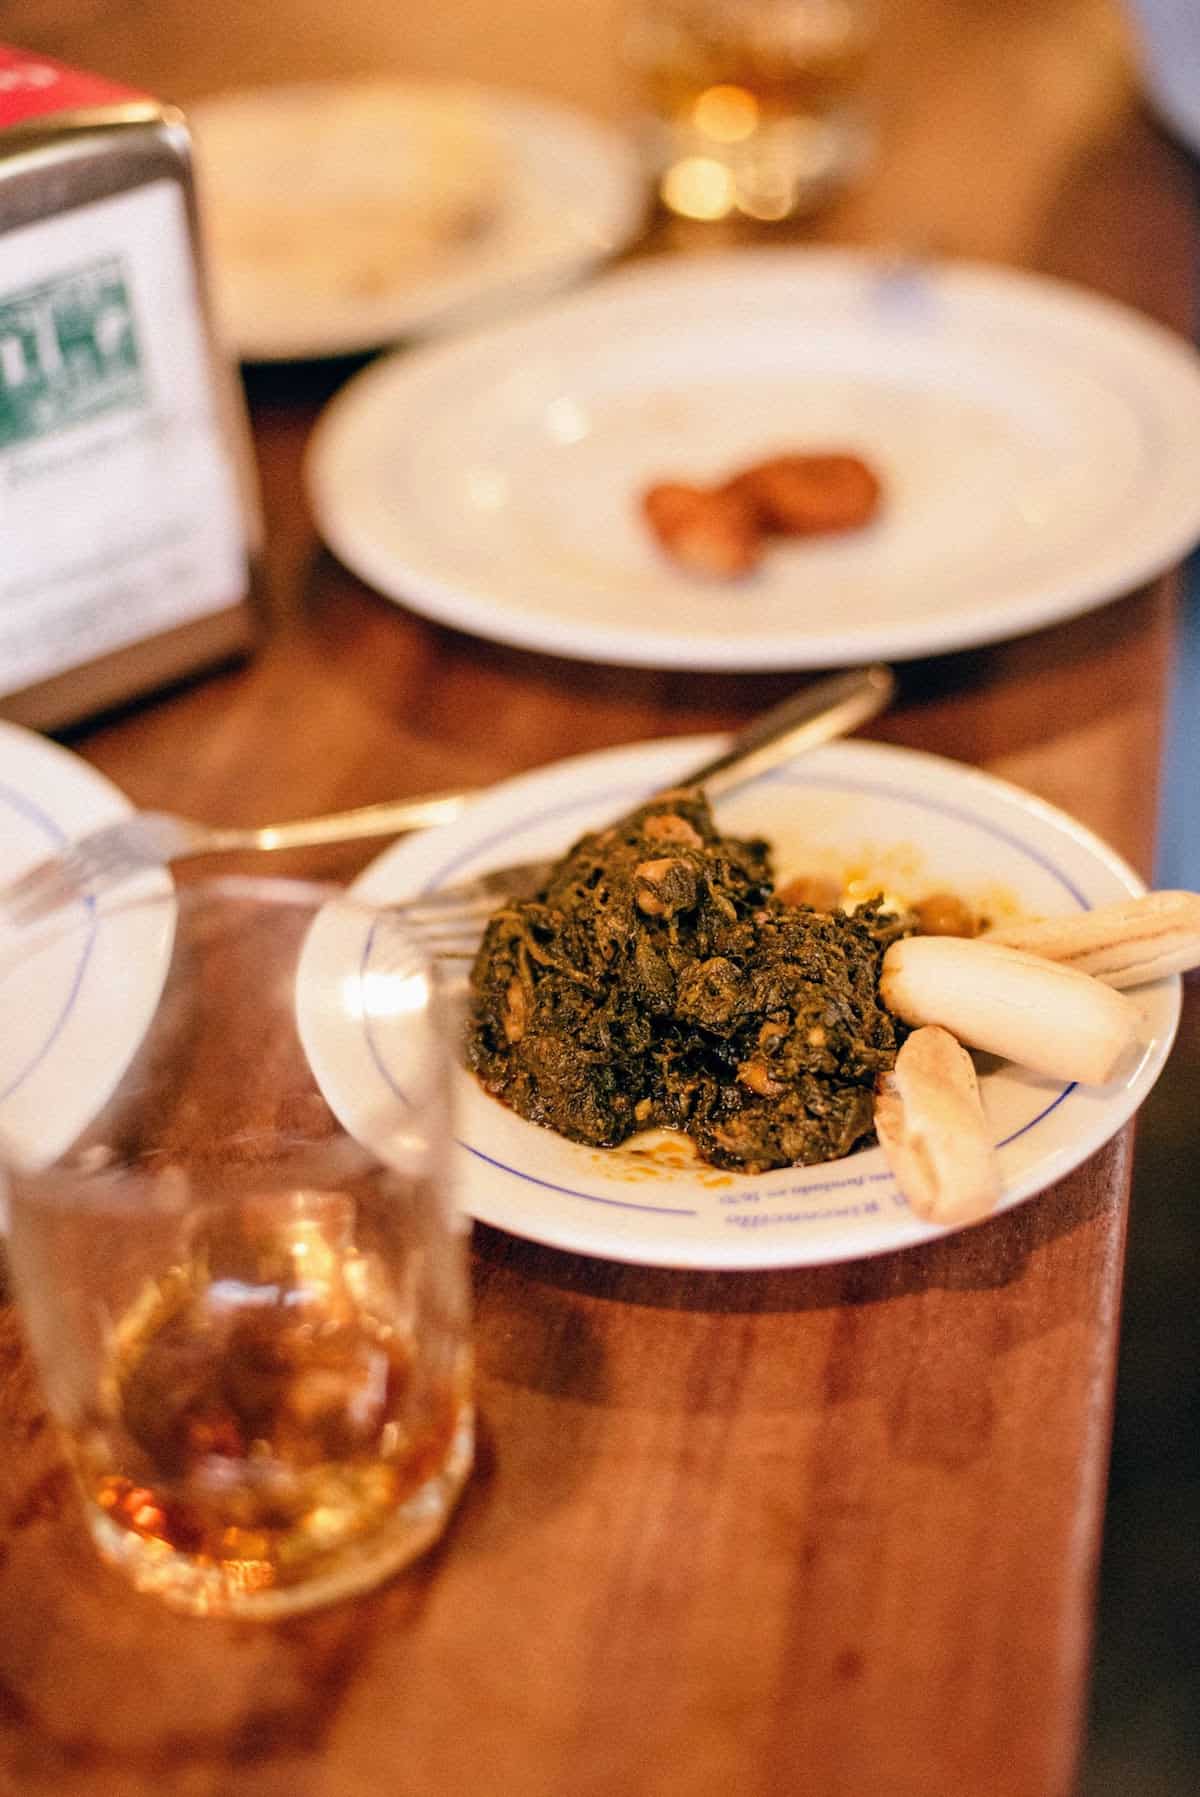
(1144, 1729)
(183, 52)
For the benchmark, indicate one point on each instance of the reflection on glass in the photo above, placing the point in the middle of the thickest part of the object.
(752, 106)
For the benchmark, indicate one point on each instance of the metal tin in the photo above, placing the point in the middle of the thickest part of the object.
(128, 516)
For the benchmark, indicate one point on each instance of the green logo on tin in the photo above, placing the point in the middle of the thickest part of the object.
(68, 351)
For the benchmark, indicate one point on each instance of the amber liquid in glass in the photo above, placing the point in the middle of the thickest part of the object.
(757, 109)
(749, 89)
(263, 1420)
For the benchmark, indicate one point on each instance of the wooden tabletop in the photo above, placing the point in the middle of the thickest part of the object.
(832, 1531)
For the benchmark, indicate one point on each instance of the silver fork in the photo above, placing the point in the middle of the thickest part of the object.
(106, 857)
(449, 920)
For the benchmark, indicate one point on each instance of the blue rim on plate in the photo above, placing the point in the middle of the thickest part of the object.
(75, 1016)
(25, 807)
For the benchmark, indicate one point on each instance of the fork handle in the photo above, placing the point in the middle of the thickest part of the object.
(827, 709)
(390, 817)
(822, 711)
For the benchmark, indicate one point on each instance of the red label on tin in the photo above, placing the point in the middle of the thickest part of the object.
(34, 86)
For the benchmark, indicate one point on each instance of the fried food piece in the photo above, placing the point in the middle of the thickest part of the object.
(945, 914)
(807, 495)
(817, 891)
(713, 532)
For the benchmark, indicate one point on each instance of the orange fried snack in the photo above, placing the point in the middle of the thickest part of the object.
(806, 495)
(709, 531)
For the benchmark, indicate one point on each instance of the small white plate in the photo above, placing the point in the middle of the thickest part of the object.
(914, 822)
(1040, 448)
(63, 1046)
(347, 214)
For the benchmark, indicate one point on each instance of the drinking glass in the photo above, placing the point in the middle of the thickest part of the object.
(243, 1285)
(751, 106)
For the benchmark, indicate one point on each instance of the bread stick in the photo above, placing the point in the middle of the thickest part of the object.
(1022, 1007)
(1124, 944)
(931, 1127)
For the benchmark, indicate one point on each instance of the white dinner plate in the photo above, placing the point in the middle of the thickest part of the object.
(63, 1045)
(342, 215)
(1039, 447)
(913, 822)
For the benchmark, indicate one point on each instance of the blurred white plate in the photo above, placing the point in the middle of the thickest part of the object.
(345, 215)
(1040, 447)
(62, 1045)
(915, 822)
